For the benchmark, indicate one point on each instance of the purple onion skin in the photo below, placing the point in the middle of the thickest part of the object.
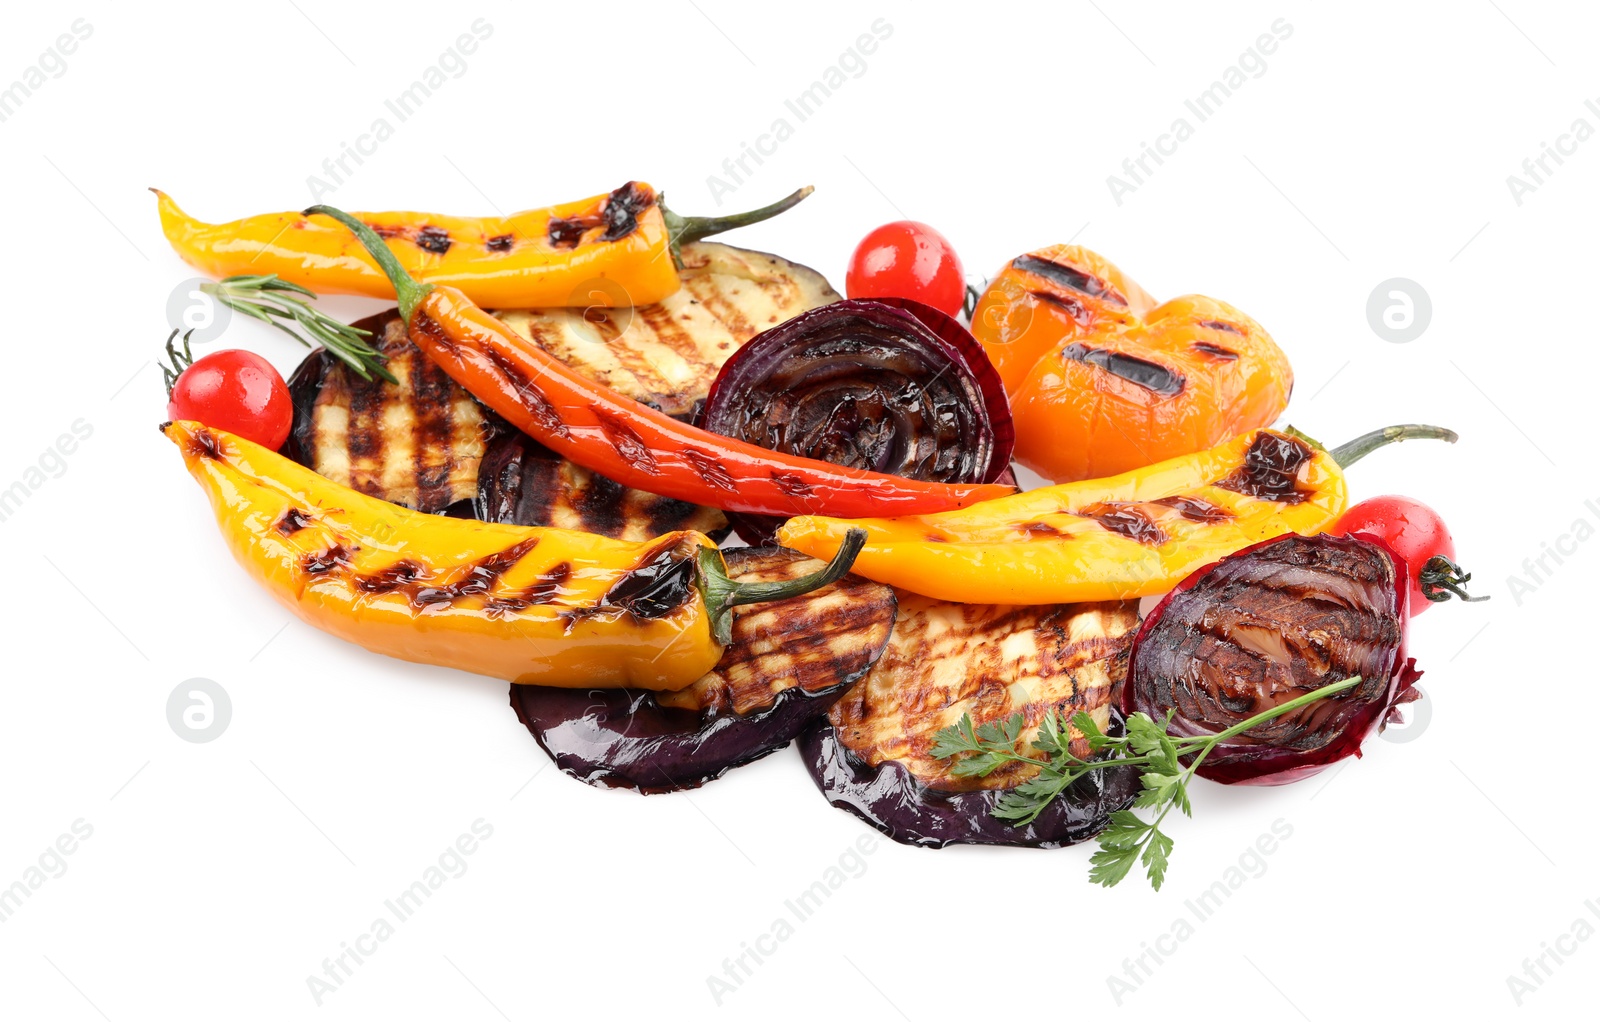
(890, 799)
(1363, 709)
(982, 453)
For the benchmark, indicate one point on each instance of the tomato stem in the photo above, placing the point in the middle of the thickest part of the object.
(1441, 578)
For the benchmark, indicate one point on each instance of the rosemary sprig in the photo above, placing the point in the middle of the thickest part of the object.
(1145, 745)
(277, 302)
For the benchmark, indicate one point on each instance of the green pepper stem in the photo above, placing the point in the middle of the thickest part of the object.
(681, 229)
(722, 593)
(408, 291)
(1348, 454)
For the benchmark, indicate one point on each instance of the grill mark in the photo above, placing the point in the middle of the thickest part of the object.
(710, 470)
(499, 243)
(600, 506)
(534, 403)
(203, 444)
(658, 584)
(729, 315)
(293, 521)
(621, 210)
(1271, 469)
(566, 232)
(1215, 351)
(434, 239)
(433, 445)
(434, 331)
(1217, 324)
(1069, 277)
(542, 590)
(1152, 376)
(626, 442)
(671, 334)
(335, 557)
(791, 484)
(416, 582)
(364, 437)
(1071, 306)
(1196, 510)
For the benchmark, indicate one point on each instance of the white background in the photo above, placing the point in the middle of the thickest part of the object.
(219, 876)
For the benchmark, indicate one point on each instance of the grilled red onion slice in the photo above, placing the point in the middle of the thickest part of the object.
(788, 662)
(884, 384)
(1263, 626)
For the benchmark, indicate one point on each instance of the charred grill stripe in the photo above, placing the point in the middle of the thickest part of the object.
(791, 484)
(599, 503)
(1152, 376)
(293, 521)
(1071, 306)
(434, 239)
(1127, 521)
(621, 210)
(335, 557)
(1271, 469)
(499, 243)
(364, 435)
(709, 469)
(566, 232)
(433, 446)
(627, 443)
(1217, 324)
(671, 334)
(204, 445)
(1194, 509)
(1215, 351)
(1069, 277)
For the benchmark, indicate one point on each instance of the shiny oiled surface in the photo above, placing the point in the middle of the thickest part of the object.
(1137, 534)
(523, 604)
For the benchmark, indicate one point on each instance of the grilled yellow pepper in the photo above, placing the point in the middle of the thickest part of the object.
(530, 605)
(1135, 534)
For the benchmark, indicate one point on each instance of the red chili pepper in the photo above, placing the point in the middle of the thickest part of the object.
(617, 437)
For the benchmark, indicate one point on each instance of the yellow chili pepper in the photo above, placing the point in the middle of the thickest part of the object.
(530, 605)
(537, 258)
(1130, 535)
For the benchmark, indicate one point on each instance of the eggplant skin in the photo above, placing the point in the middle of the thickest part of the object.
(871, 756)
(789, 660)
(904, 809)
(667, 355)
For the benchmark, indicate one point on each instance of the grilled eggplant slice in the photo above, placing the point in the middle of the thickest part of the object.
(666, 355)
(870, 755)
(789, 660)
(416, 443)
(522, 482)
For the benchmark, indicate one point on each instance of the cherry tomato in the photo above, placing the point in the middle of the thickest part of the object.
(907, 259)
(1416, 533)
(238, 391)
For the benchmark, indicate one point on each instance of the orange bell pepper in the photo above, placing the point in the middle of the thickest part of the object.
(1103, 380)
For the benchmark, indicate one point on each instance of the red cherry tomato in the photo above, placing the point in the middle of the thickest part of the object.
(907, 259)
(1416, 533)
(238, 391)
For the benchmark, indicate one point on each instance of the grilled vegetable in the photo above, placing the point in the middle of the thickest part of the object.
(907, 259)
(666, 355)
(1270, 623)
(416, 442)
(1103, 381)
(888, 385)
(622, 439)
(1415, 532)
(521, 482)
(232, 389)
(1137, 534)
(874, 756)
(526, 605)
(533, 259)
(426, 444)
(788, 661)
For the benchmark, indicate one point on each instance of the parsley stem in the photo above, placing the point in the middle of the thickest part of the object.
(1277, 711)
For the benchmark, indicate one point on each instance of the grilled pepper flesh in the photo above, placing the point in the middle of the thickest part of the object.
(536, 258)
(529, 605)
(1135, 534)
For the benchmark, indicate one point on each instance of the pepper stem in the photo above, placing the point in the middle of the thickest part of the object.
(682, 229)
(1442, 578)
(722, 593)
(1348, 454)
(408, 291)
